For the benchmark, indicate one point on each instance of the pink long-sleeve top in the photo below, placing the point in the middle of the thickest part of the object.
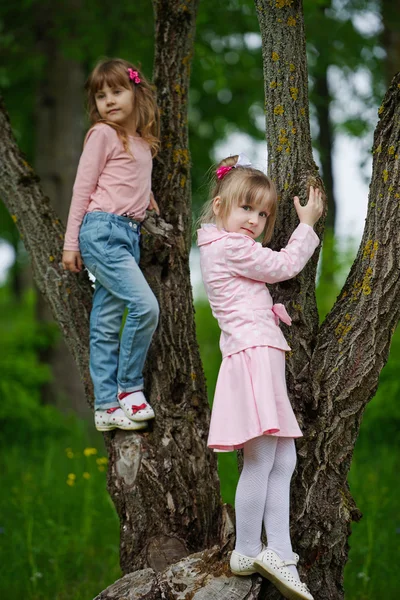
(109, 180)
(235, 269)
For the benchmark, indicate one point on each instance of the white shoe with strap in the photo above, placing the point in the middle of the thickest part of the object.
(135, 406)
(272, 567)
(241, 564)
(114, 418)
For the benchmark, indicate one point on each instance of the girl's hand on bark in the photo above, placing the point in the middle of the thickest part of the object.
(312, 211)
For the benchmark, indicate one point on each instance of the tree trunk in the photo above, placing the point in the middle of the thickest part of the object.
(59, 137)
(164, 481)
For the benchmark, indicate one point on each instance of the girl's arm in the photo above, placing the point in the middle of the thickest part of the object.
(247, 258)
(153, 204)
(94, 157)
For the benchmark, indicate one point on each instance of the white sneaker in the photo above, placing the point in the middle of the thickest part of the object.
(113, 418)
(272, 567)
(241, 564)
(135, 406)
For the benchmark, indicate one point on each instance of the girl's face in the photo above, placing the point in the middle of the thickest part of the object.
(243, 218)
(115, 104)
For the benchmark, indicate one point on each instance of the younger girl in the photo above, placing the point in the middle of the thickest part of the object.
(111, 194)
(251, 408)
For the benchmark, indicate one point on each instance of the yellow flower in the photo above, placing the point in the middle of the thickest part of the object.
(86, 475)
(71, 479)
(101, 468)
(90, 451)
(102, 460)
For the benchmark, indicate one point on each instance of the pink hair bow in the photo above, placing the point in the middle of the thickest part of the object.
(134, 75)
(222, 171)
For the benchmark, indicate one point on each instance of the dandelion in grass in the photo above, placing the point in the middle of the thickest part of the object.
(103, 460)
(71, 479)
(90, 451)
(69, 453)
(86, 475)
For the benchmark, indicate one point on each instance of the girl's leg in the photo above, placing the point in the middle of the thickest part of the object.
(110, 250)
(251, 493)
(105, 324)
(277, 509)
(141, 322)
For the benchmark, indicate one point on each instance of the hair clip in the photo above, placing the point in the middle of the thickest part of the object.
(242, 161)
(222, 171)
(134, 75)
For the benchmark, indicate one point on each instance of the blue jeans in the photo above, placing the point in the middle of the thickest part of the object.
(109, 246)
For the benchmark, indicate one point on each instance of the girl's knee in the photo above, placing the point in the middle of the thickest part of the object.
(147, 311)
(154, 312)
(286, 457)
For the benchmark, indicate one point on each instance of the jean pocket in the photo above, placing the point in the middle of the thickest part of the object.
(104, 236)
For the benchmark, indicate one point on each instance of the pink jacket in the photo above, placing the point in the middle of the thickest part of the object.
(235, 270)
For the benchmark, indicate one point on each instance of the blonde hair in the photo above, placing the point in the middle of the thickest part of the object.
(114, 73)
(241, 185)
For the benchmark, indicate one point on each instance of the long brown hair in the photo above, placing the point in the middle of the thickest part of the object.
(114, 73)
(241, 184)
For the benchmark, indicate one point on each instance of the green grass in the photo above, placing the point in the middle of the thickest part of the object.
(59, 529)
(371, 571)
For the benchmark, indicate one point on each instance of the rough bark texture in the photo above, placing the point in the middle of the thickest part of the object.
(333, 370)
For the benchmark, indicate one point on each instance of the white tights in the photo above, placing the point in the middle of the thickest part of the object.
(263, 494)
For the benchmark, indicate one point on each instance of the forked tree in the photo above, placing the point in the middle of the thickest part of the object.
(175, 532)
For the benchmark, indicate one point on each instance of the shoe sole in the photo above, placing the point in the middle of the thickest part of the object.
(284, 590)
(243, 573)
(136, 428)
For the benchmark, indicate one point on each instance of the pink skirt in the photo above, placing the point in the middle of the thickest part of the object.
(251, 399)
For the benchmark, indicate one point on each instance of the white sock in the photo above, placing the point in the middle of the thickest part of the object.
(251, 493)
(277, 506)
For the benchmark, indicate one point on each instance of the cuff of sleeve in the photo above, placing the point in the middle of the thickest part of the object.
(307, 230)
(70, 248)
